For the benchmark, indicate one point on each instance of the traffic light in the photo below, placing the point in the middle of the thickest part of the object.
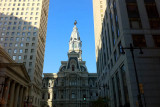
(141, 88)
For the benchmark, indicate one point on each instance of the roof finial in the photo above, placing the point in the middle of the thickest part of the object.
(75, 22)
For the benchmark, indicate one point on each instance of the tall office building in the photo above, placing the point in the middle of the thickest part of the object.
(128, 23)
(23, 25)
(99, 12)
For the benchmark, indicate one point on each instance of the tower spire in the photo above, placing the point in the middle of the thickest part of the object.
(75, 43)
(75, 22)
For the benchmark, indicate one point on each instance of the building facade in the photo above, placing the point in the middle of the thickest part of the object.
(47, 89)
(23, 25)
(14, 82)
(128, 23)
(74, 85)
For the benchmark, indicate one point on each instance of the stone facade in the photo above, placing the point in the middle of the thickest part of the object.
(74, 86)
(14, 82)
(128, 22)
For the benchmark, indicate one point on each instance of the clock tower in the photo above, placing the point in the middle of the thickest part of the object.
(75, 43)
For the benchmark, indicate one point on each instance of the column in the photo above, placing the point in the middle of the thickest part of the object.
(16, 95)
(24, 95)
(6, 92)
(21, 97)
(12, 89)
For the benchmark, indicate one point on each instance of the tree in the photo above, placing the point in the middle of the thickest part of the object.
(101, 102)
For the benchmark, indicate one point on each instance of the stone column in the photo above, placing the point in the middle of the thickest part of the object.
(6, 92)
(16, 95)
(24, 95)
(12, 89)
(21, 97)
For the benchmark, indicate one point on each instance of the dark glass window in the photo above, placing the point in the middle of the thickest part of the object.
(156, 39)
(152, 10)
(73, 67)
(120, 48)
(139, 40)
(132, 10)
(153, 15)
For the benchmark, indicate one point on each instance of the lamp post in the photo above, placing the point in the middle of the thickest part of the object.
(131, 48)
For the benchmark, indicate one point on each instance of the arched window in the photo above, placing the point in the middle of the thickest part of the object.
(73, 67)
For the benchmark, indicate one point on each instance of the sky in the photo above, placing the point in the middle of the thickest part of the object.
(61, 17)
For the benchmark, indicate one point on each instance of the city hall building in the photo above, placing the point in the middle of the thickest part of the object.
(73, 85)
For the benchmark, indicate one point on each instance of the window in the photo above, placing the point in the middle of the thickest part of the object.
(32, 50)
(26, 50)
(5, 44)
(11, 39)
(73, 67)
(10, 45)
(35, 28)
(23, 33)
(29, 28)
(153, 14)
(27, 44)
(156, 39)
(21, 44)
(31, 57)
(48, 95)
(22, 39)
(6, 39)
(20, 51)
(17, 39)
(139, 40)
(19, 57)
(24, 28)
(30, 64)
(28, 38)
(15, 50)
(1, 39)
(16, 45)
(25, 57)
(14, 57)
(9, 50)
(2, 33)
(29, 33)
(34, 33)
(73, 95)
(33, 44)
(35, 23)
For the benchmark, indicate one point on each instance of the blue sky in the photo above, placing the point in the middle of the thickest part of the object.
(62, 14)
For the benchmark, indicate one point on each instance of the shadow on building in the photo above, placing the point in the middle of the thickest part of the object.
(21, 39)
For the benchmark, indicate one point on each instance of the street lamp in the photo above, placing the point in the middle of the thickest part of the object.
(131, 48)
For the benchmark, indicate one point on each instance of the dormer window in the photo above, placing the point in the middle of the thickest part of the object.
(73, 67)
